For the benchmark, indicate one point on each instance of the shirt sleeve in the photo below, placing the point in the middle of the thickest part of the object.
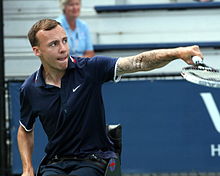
(104, 68)
(27, 117)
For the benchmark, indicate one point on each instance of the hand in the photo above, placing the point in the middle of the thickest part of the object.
(28, 173)
(186, 53)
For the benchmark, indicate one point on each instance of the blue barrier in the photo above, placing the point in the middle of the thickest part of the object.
(146, 46)
(166, 6)
(166, 126)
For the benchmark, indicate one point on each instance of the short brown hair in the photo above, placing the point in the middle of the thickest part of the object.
(44, 24)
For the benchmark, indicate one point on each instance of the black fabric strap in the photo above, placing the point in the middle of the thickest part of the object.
(101, 163)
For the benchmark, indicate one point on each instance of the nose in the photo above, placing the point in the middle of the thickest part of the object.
(63, 48)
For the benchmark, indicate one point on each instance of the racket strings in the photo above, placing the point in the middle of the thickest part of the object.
(203, 69)
(205, 73)
(202, 75)
(206, 76)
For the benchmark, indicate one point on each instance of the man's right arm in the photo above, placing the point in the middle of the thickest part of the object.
(25, 145)
(157, 58)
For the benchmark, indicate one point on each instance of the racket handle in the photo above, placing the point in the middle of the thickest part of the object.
(197, 60)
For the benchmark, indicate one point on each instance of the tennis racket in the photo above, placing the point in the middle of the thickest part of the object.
(201, 74)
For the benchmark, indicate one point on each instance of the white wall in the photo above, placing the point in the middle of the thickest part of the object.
(107, 28)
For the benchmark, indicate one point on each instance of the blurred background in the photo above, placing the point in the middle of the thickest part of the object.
(167, 128)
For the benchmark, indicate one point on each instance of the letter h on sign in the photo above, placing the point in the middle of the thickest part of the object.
(215, 150)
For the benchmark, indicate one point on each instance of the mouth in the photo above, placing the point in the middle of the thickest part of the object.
(62, 59)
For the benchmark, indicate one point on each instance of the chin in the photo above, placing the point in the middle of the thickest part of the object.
(63, 66)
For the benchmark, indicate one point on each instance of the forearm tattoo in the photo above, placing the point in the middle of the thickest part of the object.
(145, 61)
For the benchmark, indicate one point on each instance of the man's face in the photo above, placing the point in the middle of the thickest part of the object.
(72, 8)
(53, 49)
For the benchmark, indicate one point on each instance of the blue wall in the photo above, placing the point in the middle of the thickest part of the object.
(166, 126)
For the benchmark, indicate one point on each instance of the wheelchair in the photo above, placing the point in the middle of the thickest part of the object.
(113, 168)
(114, 165)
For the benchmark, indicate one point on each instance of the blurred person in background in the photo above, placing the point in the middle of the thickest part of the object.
(77, 31)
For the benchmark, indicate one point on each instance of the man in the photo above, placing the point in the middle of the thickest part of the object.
(65, 93)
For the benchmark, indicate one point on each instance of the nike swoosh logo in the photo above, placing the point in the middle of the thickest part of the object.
(74, 90)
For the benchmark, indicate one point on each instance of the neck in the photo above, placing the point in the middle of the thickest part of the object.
(72, 22)
(53, 78)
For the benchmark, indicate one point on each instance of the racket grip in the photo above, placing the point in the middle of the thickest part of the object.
(197, 60)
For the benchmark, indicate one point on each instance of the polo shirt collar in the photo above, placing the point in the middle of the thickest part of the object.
(39, 79)
(65, 24)
(72, 62)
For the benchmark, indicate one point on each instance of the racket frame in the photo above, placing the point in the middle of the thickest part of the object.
(197, 80)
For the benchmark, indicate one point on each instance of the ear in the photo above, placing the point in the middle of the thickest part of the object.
(36, 50)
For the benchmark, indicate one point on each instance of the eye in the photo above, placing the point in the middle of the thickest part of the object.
(65, 40)
(53, 44)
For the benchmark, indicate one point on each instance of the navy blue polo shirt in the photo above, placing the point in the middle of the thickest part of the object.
(72, 116)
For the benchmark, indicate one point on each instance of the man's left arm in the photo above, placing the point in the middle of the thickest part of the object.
(153, 59)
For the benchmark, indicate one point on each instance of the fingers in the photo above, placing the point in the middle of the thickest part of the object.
(197, 51)
(189, 52)
(197, 56)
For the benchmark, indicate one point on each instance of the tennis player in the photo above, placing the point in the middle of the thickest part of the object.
(65, 93)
